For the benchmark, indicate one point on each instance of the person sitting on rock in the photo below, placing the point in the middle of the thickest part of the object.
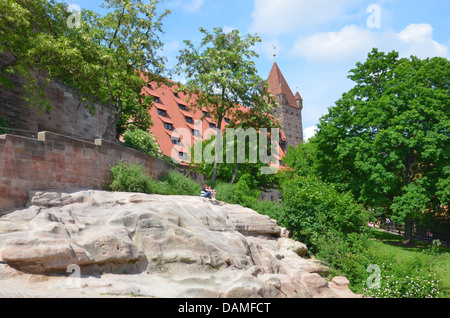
(207, 192)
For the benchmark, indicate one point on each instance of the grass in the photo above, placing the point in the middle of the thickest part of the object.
(392, 243)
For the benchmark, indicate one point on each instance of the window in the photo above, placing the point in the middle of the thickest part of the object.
(227, 120)
(182, 107)
(206, 114)
(175, 140)
(156, 99)
(196, 133)
(168, 126)
(212, 125)
(162, 112)
(189, 120)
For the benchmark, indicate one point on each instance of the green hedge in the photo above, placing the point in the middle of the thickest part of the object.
(133, 178)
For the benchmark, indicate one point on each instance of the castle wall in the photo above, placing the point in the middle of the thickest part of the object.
(291, 121)
(61, 163)
(68, 117)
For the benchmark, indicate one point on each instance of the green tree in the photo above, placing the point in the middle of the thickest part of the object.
(34, 37)
(129, 37)
(103, 58)
(221, 76)
(301, 159)
(244, 162)
(143, 140)
(314, 210)
(388, 140)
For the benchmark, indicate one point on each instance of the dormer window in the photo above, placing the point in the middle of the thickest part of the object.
(206, 114)
(182, 107)
(156, 99)
(189, 120)
(227, 120)
(212, 126)
(196, 133)
(175, 140)
(168, 126)
(162, 112)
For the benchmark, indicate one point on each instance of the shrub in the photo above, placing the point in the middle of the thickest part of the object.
(240, 193)
(141, 139)
(176, 183)
(269, 208)
(313, 209)
(133, 178)
(413, 284)
(130, 178)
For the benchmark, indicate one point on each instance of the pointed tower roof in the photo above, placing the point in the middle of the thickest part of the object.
(278, 85)
(298, 97)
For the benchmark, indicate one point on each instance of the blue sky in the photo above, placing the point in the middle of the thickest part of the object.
(316, 42)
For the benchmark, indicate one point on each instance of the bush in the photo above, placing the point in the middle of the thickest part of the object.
(130, 178)
(269, 208)
(133, 178)
(176, 183)
(313, 209)
(407, 279)
(141, 139)
(240, 193)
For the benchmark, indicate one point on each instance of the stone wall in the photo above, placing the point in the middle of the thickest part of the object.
(291, 120)
(68, 117)
(61, 163)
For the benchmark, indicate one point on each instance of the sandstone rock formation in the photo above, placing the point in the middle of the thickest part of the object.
(95, 243)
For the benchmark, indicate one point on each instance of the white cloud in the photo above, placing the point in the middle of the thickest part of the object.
(353, 43)
(285, 16)
(189, 6)
(309, 132)
(417, 39)
(350, 42)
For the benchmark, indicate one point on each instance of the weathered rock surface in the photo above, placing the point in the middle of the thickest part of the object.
(95, 243)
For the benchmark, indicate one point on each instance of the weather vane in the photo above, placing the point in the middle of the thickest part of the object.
(274, 52)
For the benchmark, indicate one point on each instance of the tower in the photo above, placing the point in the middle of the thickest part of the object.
(289, 114)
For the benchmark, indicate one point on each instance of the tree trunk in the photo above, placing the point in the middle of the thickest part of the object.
(218, 148)
(236, 169)
(408, 236)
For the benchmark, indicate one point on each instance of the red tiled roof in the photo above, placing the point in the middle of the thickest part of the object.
(169, 102)
(278, 85)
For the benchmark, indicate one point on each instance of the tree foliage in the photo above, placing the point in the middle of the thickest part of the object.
(313, 209)
(140, 139)
(387, 140)
(102, 59)
(221, 76)
(244, 164)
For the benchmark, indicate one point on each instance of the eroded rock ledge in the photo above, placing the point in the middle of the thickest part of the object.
(152, 245)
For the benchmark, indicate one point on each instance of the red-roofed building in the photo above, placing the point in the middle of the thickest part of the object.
(177, 128)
